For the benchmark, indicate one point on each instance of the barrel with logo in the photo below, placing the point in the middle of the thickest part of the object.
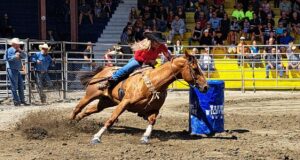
(207, 109)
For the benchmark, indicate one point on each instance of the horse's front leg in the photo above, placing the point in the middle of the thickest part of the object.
(146, 136)
(116, 113)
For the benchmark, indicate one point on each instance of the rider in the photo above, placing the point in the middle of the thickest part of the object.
(145, 52)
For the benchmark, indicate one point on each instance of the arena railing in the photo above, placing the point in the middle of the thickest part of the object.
(70, 63)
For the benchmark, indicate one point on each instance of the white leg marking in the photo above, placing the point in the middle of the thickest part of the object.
(145, 138)
(98, 135)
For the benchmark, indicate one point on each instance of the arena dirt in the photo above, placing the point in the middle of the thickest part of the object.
(265, 125)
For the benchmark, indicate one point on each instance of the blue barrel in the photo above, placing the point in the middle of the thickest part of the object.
(207, 109)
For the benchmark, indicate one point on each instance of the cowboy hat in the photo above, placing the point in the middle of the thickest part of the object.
(15, 41)
(44, 46)
(242, 38)
(293, 47)
(154, 36)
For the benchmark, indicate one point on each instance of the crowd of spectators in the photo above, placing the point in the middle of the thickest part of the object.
(251, 22)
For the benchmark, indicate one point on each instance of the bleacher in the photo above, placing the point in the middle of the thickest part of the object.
(227, 68)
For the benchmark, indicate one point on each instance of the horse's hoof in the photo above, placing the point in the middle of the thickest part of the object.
(145, 140)
(95, 141)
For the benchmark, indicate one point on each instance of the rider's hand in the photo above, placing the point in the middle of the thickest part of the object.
(17, 55)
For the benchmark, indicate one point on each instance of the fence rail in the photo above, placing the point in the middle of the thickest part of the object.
(236, 69)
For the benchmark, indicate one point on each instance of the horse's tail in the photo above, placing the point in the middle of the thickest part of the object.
(87, 76)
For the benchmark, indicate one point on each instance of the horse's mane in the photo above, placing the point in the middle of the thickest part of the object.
(87, 76)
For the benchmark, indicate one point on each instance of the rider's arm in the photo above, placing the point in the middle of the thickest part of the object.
(164, 50)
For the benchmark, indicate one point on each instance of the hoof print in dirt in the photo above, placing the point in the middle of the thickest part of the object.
(36, 133)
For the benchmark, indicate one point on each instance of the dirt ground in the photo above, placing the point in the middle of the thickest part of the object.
(264, 125)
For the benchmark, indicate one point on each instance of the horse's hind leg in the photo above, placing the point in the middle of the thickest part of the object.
(91, 94)
(116, 113)
(103, 103)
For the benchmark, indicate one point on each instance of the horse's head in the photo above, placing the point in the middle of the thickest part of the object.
(192, 73)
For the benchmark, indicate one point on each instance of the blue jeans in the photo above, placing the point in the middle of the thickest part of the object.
(278, 66)
(41, 80)
(126, 70)
(16, 83)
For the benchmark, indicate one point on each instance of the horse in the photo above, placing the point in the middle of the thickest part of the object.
(144, 93)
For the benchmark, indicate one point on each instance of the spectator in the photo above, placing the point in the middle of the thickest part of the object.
(232, 37)
(108, 58)
(238, 13)
(88, 56)
(178, 27)
(295, 19)
(133, 15)
(181, 13)
(107, 7)
(246, 28)
(203, 6)
(241, 50)
(284, 19)
(285, 6)
(255, 24)
(197, 14)
(266, 31)
(249, 13)
(7, 30)
(162, 14)
(202, 20)
(254, 56)
(42, 61)
(274, 62)
(178, 48)
(170, 19)
(269, 19)
(138, 23)
(270, 43)
(221, 12)
(215, 22)
(265, 9)
(206, 38)
(225, 26)
(85, 10)
(286, 38)
(296, 6)
(13, 57)
(279, 30)
(294, 59)
(206, 61)
(98, 9)
(65, 11)
(196, 33)
(218, 38)
(138, 34)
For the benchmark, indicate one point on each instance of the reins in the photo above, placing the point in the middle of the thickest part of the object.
(191, 72)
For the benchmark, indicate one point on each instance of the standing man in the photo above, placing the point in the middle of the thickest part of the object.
(42, 62)
(13, 57)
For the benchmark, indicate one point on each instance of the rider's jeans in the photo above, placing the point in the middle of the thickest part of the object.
(127, 69)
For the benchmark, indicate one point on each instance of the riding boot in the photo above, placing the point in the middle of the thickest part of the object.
(111, 83)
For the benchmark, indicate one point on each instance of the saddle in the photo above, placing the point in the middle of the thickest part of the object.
(140, 70)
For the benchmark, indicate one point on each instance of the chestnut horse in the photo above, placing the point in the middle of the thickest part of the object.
(144, 93)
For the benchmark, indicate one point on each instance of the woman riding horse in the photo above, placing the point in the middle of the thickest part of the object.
(145, 52)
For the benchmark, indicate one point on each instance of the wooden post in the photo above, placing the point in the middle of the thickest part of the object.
(43, 18)
(74, 20)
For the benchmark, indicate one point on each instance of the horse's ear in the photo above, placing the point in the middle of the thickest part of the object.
(187, 54)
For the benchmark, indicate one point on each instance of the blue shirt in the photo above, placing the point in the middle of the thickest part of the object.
(254, 49)
(11, 61)
(45, 59)
(286, 40)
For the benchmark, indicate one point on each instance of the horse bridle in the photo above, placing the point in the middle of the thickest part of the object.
(192, 72)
